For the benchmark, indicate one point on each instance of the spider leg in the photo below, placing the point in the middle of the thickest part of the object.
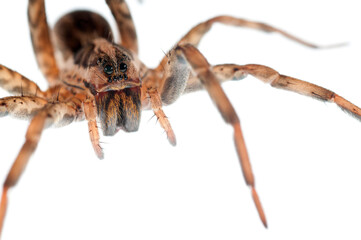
(42, 44)
(126, 28)
(15, 83)
(203, 71)
(223, 73)
(156, 104)
(23, 107)
(152, 98)
(58, 114)
(269, 75)
(227, 72)
(90, 115)
(195, 35)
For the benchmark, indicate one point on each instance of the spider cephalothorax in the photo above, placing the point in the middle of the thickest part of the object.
(94, 79)
(113, 80)
(103, 67)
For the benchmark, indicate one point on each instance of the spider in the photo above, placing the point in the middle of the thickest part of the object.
(97, 79)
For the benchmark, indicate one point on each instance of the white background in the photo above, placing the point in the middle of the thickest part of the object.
(305, 153)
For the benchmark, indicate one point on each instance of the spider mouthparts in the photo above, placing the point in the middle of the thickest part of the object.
(119, 110)
(120, 85)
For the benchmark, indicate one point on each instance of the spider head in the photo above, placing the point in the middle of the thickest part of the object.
(107, 66)
(112, 77)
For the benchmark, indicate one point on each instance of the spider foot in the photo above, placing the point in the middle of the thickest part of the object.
(99, 151)
(171, 137)
(259, 208)
(3, 206)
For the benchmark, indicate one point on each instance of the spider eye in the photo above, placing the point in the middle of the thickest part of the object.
(108, 69)
(123, 67)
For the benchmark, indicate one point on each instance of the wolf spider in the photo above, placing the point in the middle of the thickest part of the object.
(94, 79)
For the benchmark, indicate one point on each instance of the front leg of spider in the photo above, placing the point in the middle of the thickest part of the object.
(58, 114)
(203, 71)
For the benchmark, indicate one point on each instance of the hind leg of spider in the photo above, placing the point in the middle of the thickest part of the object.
(268, 75)
(203, 71)
(126, 28)
(58, 114)
(40, 38)
(226, 72)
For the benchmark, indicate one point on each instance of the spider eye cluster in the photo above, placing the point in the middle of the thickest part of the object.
(109, 70)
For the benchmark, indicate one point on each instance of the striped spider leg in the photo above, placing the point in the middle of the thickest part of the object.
(42, 109)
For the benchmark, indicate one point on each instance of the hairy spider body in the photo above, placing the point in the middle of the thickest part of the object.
(92, 78)
(105, 69)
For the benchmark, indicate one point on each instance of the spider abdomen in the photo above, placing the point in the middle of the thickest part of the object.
(77, 29)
